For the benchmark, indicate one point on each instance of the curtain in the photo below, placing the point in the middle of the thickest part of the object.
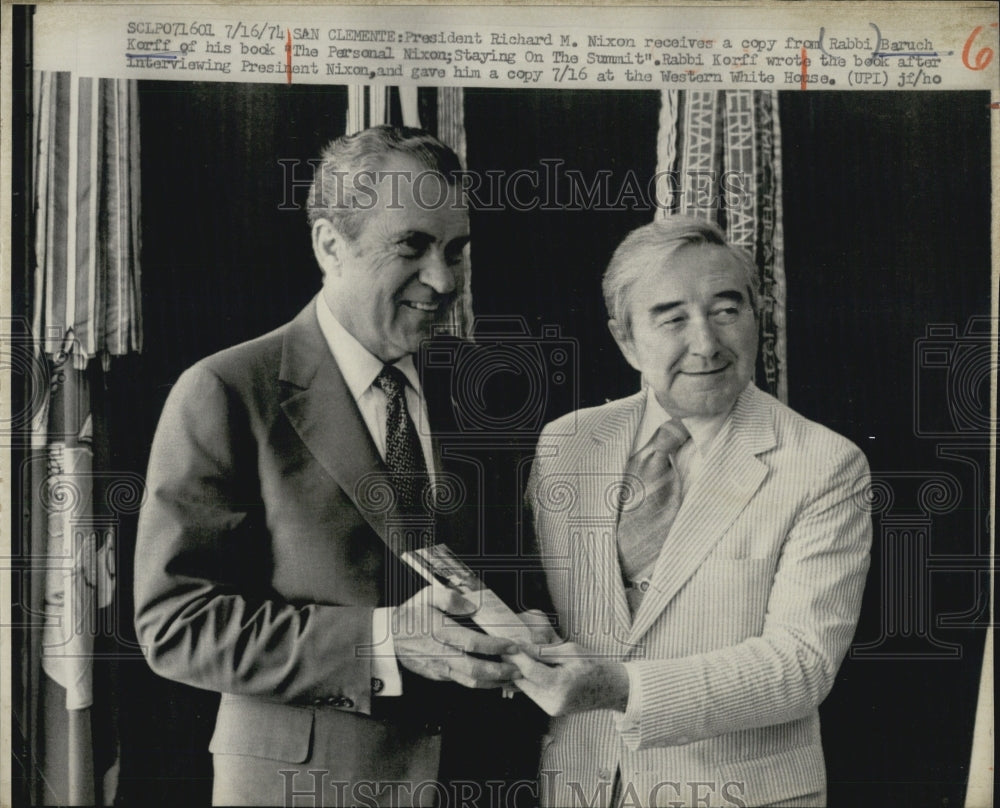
(86, 301)
(87, 206)
(451, 130)
(723, 149)
(439, 112)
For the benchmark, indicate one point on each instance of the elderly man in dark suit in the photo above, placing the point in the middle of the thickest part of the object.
(287, 475)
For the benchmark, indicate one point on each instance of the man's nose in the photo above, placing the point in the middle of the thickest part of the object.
(437, 273)
(702, 339)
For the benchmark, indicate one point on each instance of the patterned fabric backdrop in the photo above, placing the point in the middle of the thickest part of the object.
(87, 278)
(724, 148)
(87, 307)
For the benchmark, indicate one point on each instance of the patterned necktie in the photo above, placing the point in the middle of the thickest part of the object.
(644, 525)
(403, 454)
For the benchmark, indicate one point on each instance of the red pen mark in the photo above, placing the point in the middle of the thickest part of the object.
(804, 82)
(288, 56)
(983, 56)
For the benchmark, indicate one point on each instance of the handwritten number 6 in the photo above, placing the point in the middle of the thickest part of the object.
(983, 56)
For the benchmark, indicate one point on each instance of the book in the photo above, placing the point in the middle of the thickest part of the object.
(438, 564)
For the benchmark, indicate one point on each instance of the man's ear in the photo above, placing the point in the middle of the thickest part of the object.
(624, 340)
(328, 246)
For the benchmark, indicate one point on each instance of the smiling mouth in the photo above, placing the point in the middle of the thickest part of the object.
(420, 306)
(705, 372)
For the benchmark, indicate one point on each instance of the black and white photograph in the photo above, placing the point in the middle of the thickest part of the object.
(473, 430)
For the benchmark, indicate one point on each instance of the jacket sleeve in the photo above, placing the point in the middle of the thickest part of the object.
(812, 610)
(204, 612)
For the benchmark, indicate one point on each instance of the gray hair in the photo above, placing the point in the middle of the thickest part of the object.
(334, 191)
(648, 249)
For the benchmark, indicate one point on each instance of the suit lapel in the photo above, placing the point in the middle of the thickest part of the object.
(731, 473)
(324, 414)
(602, 465)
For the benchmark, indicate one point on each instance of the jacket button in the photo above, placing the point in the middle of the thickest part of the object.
(377, 685)
(643, 586)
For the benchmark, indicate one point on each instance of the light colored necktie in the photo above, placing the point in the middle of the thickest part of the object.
(648, 513)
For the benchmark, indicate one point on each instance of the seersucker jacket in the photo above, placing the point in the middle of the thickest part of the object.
(752, 605)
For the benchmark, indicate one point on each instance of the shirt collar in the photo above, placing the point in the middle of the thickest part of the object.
(703, 429)
(359, 367)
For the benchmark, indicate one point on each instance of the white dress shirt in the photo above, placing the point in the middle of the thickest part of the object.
(360, 369)
(703, 430)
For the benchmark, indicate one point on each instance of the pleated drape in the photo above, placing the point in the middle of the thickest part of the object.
(87, 310)
(724, 148)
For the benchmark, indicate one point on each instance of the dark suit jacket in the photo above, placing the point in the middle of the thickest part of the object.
(262, 551)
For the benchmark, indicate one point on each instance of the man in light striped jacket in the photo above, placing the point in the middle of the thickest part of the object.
(704, 616)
